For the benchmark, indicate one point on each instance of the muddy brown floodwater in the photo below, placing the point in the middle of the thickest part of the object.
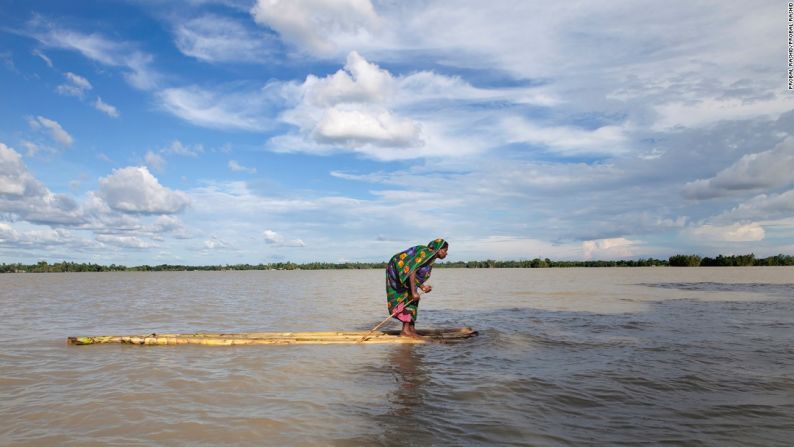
(614, 356)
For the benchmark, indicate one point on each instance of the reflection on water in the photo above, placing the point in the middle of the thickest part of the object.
(409, 376)
(564, 357)
(403, 421)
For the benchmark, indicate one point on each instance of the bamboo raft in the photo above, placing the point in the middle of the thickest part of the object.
(279, 338)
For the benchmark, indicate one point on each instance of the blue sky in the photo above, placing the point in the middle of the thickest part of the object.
(226, 131)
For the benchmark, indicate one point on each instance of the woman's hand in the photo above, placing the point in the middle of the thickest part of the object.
(426, 288)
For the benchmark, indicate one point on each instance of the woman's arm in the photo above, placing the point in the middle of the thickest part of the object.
(412, 286)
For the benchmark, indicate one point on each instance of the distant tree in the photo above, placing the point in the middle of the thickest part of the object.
(684, 261)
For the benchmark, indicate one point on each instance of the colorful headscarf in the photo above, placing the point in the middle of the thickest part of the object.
(416, 257)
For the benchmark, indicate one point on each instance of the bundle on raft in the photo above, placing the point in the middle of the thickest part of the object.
(279, 338)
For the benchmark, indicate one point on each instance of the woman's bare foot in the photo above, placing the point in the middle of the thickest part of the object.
(413, 332)
(410, 335)
(409, 330)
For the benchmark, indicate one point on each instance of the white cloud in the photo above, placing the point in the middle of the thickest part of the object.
(215, 39)
(706, 111)
(32, 148)
(350, 109)
(15, 180)
(752, 172)
(504, 247)
(320, 27)
(43, 57)
(763, 206)
(76, 85)
(273, 238)
(36, 237)
(124, 241)
(362, 126)
(106, 108)
(218, 109)
(566, 140)
(100, 49)
(609, 248)
(682, 69)
(749, 232)
(171, 225)
(56, 132)
(237, 167)
(155, 160)
(359, 81)
(362, 108)
(177, 148)
(23, 195)
(136, 190)
(7, 234)
(215, 243)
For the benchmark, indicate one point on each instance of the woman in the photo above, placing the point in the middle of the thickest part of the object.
(407, 271)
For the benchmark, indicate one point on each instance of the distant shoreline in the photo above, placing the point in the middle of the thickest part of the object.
(673, 261)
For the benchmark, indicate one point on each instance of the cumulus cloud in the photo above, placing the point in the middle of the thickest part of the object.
(136, 190)
(273, 238)
(215, 39)
(350, 110)
(358, 81)
(54, 129)
(738, 232)
(76, 85)
(23, 195)
(752, 172)
(106, 108)
(320, 27)
(15, 180)
(608, 248)
(365, 126)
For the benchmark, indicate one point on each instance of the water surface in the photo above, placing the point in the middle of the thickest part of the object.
(659, 356)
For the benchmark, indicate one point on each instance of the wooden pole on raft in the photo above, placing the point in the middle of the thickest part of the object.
(420, 291)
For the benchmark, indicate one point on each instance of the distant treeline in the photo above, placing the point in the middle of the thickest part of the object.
(674, 261)
(729, 261)
(44, 267)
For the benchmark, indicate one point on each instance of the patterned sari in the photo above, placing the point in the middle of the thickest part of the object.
(418, 260)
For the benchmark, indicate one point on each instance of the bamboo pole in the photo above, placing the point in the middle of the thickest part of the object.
(277, 338)
(397, 309)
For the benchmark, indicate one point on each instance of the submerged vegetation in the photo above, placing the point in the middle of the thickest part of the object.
(673, 261)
